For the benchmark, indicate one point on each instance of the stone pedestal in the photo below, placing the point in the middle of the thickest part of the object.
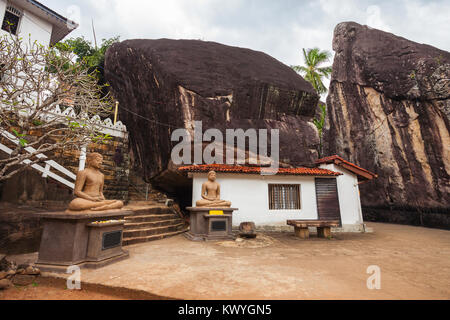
(209, 224)
(76, 239)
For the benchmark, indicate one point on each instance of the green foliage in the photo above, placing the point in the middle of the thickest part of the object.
(312, 70)
(22, 141)
(319, 123)
(87, 54)
(93, 56)
(101, 138)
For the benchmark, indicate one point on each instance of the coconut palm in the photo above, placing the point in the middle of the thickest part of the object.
(312, 71)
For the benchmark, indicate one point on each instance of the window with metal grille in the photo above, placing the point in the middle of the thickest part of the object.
(11, 20)
(284, 197)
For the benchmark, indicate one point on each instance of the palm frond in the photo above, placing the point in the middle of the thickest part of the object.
(313, 58)
(300, 69)
(325, 71)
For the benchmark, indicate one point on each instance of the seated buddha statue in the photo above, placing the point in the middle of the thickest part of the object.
(89, 188)
(211, 194)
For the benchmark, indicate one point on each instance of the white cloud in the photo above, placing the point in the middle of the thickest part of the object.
(374, 19)
(342, 10)
(426, 22)
(278, 28)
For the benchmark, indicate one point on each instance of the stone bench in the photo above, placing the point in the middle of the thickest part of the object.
(323, 227)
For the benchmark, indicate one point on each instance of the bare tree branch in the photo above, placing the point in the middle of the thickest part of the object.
(34, 79)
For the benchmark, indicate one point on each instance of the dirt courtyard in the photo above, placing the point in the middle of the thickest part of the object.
(414, 264)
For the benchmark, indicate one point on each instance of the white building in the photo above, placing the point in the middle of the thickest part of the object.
(329, 192)
(31, 18)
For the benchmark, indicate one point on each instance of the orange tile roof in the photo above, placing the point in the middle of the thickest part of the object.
(257, 170)
(338, 160)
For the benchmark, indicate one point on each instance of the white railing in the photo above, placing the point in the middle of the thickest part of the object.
(104, 126)
(69, 180)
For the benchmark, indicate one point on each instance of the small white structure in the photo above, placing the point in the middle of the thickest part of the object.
(348, 187)
(32, 18)
(329, 192)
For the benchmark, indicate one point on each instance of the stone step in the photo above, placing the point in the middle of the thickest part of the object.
(135, 240)
(148, 210)
(152, 224)
(140, 196)
(150, 218)
(138, 204)
(151, 231)
(150, 194)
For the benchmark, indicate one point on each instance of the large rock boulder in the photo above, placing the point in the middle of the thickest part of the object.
(389, 111)
(166, 84)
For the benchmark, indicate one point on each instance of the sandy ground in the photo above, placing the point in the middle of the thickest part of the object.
(414, 264)
(56, 289)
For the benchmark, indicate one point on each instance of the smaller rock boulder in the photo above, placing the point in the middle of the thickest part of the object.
(5, 284)
(247, 230)
(6, 265)
(23, 279)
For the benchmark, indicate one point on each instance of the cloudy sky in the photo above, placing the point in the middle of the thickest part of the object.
(280, 28)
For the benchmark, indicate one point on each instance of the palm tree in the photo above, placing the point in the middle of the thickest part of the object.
(314, 74)
(312, 71)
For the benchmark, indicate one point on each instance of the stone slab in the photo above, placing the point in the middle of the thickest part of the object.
(87, 265)
(84, 215)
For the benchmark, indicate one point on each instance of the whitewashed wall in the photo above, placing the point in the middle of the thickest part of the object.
(349, 198)
(249, 193)
(38, 29)
(30, 26)
(2, 12)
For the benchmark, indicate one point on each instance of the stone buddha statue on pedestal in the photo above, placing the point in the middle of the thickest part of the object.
(89, 188)
(211, 194)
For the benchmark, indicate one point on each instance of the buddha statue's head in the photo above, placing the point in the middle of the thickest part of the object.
(94, 160)
(212, 176)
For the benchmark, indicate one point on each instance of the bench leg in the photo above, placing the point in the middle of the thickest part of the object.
(302, 233)
(324, 232)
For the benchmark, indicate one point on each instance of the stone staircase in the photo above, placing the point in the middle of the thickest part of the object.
(154, 216)
(139, 190)
(151, 221)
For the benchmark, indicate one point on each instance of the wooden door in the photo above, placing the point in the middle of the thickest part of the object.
(327, 199)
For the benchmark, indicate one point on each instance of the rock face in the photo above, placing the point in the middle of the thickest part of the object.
(166, 84)
(389, 111)
(20, 230)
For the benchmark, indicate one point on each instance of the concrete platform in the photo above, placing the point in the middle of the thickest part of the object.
(414, 264)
